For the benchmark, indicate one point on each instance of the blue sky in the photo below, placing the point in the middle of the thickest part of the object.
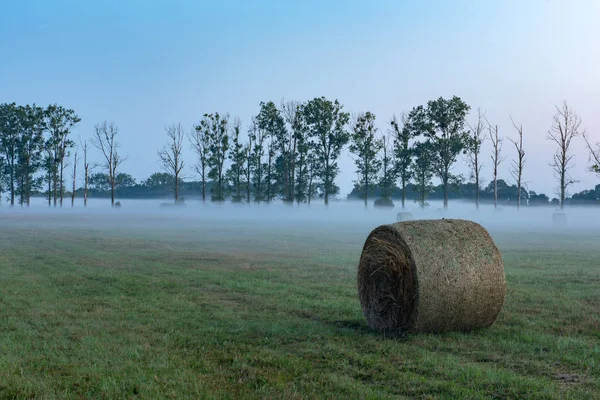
(144, 64)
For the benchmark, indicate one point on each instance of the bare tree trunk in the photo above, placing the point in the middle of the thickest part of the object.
(445, 194)
(496, 157)
(476, 139)
(86, 173)
(564, 129)
(517, 165)
(74, 179)
(104, 139)
(62, 189)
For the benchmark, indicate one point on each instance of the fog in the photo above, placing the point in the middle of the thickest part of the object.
(339, 215)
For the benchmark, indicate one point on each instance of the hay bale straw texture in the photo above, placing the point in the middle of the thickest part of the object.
(430, 276)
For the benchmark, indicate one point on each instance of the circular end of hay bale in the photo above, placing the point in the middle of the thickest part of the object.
(404, 216)
(430, 276)
(387, 281)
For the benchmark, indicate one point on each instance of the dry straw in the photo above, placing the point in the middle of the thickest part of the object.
(430, 276)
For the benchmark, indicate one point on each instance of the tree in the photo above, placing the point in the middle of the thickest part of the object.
(238, 158)
(423, 170)
(60, 121)
(271, 122)
(403, 154)
(442, 124)
(104, 139)
(218, 146)
(496, 156)
(326, 123)
(30, 145)
(86, 172)
(365, 146)
(9, 135)
(473, 148)
(99, 181)
(388, 172)
(565, 128)
(248, 152)
(74, 176)
(102, 182)
(292, 113)
(518, 164)
(170, 156)
(200, 141)
(257, 139)
(159, 179)
(594, 155)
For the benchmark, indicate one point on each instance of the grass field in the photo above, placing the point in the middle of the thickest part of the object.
(175, 309)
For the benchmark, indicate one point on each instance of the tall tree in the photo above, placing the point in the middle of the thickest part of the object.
(271, 122)
(403, 154)
(473, 149)
(30, 150)
(388, 171)
(496, 156)
(249, 163)
(60, 121)
(104, 140)
(423, 169)
(326, 124)
(565, 128)
(9, 140)
(200, 141)
(238, 158)
(365, 146)
(442, 123)
(594, 154)
(257, 139)
(74, 176)
(217, 154)
(518, 163)
(86, 174)
(171, 155)
(292, 113)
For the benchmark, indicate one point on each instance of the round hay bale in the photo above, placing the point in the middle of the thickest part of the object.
(384, 203)
(404, 216)
(559, 218)
(430, 276)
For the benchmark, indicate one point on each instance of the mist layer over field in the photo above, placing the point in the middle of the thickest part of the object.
(341, 215)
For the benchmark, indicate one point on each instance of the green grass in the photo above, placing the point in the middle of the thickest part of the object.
(210, 311)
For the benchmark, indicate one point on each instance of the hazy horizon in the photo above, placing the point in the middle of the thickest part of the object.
(147, 64)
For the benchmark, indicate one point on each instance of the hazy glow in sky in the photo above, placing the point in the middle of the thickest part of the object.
(144, 64)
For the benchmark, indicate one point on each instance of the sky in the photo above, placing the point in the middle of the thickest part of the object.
(145, 64)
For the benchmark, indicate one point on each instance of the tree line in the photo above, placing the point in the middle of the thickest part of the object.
(290, 152)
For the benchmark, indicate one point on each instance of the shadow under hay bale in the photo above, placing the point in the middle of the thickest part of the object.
(404, 216)
(559, 218)
(430, 276)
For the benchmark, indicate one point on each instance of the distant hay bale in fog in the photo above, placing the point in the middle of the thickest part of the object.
(118, 204)
(430, 276)
(179, 203)
(404, 216)
(559, 218)
(384, 203)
